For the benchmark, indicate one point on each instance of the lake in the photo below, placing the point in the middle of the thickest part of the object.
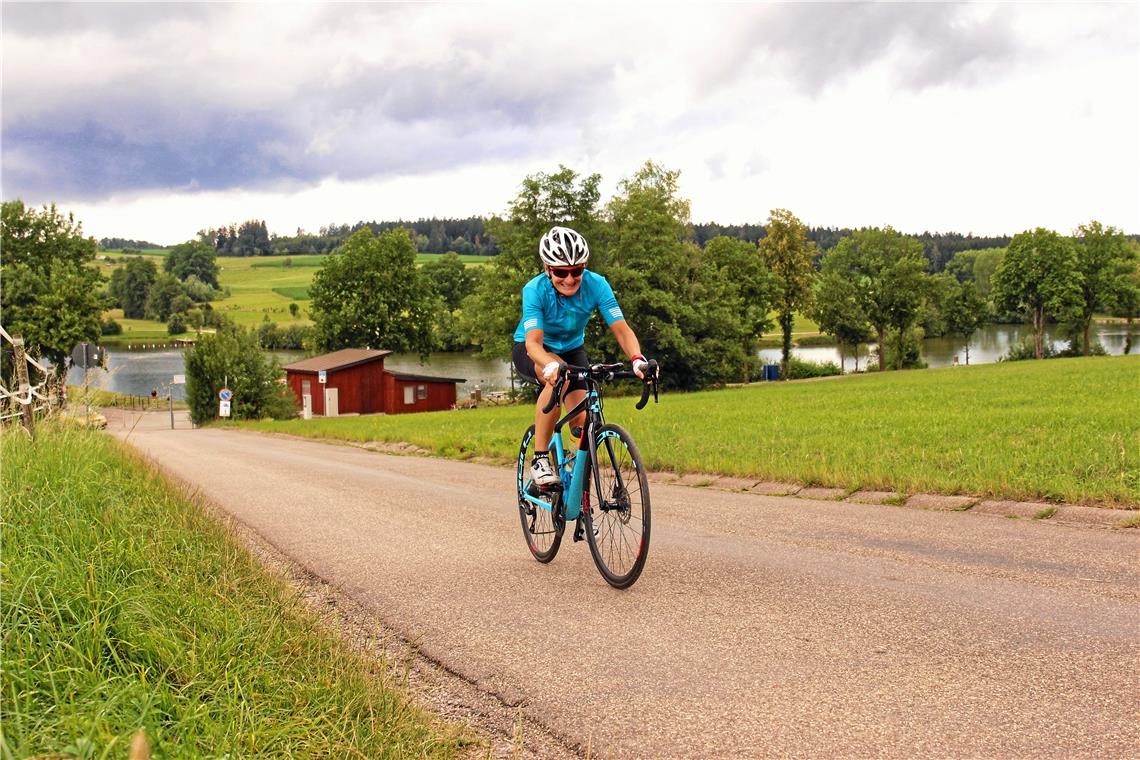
(137, 371)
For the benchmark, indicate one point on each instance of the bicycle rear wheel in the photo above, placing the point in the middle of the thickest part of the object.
(542, 528)
(617, 521)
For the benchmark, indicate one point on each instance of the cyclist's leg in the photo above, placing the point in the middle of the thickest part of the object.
(577, 390)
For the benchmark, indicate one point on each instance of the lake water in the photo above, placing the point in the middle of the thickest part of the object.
(137, 371)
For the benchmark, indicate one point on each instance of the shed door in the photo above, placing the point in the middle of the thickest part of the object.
(332, 402)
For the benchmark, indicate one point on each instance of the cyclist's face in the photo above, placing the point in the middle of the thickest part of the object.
(570, 281)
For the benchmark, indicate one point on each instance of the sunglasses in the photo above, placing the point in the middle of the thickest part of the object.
(563, 273)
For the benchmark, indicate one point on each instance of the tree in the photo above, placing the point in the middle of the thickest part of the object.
(49, 290)
(369, 293)
(450, 279)
(886, 270)
(193, 259)
(964, 311)
(231, 358)
(685, 306)
(739, 262)
(788, 254)
(161, 297)
(1039, 278)
(138, 278)
(837, 311)
(1105, 262)
(491, 313)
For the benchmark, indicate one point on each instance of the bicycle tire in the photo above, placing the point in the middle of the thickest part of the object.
(618, 515)
(542, 529)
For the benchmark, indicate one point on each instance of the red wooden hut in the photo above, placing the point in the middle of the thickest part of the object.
(354, 381)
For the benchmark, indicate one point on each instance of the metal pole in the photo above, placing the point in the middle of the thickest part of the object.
(25, 386)
(170, 398)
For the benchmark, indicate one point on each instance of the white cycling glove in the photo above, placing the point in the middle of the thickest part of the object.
(639, 364)
(550, 371)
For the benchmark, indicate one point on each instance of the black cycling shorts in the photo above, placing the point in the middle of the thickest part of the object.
(525, 365)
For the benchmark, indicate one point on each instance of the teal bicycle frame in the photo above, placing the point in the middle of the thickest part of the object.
(573, 469)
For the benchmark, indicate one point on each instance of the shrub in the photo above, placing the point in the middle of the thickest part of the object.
(798, 369)
(231, 357)
(177, 324)
(111, 327)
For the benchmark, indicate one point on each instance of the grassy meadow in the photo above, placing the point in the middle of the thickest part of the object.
(1059, 430)
(126, 607)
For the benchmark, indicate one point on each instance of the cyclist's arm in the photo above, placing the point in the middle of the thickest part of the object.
(625, 338)
(540, 356)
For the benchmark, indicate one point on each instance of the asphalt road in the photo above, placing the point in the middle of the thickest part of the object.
(762, 626)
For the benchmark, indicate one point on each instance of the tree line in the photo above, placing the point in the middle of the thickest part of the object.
(470, 236)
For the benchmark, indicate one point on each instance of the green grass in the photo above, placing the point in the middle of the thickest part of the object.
(296, 293)
(1060, 430)
(125, 606)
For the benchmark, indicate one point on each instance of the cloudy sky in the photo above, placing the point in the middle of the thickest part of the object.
(152, 121)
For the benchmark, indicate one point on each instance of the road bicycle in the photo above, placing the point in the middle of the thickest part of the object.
(616, 520)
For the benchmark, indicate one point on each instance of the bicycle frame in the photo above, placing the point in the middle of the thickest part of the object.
(579, 471)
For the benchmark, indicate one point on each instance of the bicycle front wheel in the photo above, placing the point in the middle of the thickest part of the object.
(542, 528)
(617, 520)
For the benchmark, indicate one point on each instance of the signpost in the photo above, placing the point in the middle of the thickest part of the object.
(225, 396)
(177, 380)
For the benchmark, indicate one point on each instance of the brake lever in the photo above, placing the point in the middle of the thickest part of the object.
(556, 394)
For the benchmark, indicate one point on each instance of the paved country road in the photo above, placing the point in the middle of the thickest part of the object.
(762, 626)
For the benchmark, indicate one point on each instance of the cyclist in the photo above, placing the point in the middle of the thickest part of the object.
(556, 305)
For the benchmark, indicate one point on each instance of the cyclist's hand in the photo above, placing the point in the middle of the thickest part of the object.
(552, 372)
(641, 366)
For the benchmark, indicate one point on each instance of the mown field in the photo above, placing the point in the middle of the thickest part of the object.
(1059, 430)
(126, 607)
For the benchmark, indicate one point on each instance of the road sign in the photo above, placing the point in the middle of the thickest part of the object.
(87, 355)
(223, 408)
(178, 380)
(226, 395)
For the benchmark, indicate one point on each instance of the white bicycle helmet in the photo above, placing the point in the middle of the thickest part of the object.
(563, 247)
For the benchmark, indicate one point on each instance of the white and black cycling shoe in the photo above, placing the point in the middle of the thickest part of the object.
(542, 473)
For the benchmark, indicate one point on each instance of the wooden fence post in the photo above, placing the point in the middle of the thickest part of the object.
(25, 386)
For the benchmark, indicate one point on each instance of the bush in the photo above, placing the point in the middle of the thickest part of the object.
(232, 357)
(177, 324)
(1025, 350)
(111, 327)
(798, 369)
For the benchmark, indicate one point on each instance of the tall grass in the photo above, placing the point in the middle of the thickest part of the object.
(124, 606)
(1064, 429)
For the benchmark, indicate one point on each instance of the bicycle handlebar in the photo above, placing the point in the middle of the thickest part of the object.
(604, 373)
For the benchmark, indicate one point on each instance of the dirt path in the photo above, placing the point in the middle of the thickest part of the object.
(762, 626)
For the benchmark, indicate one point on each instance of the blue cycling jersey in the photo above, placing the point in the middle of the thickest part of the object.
(563, 319)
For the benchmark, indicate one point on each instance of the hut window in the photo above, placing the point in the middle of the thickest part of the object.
(421, 391)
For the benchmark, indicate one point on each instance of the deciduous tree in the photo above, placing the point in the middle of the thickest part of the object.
(50, 291)
(369, 293)
(886, 270)
(1105, 261)
(1039, 278)
(788, 254)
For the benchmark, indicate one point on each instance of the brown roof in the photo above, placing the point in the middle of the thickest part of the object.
(426, 378)
(346, 357)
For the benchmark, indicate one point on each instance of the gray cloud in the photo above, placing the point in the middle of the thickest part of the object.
(170, 125)
(816, 44)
